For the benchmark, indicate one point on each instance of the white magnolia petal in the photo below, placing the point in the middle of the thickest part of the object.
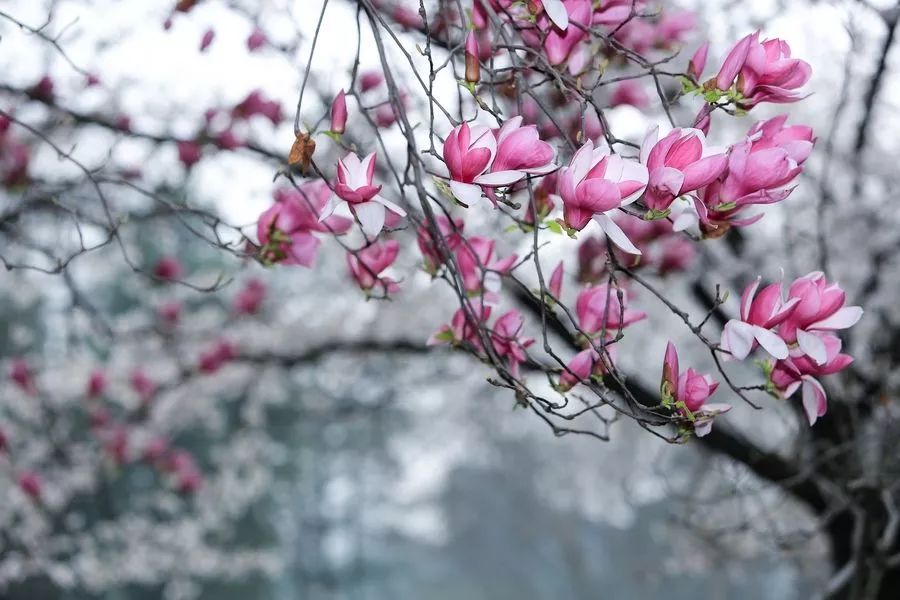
(394, 208)
(842, 319)
(466, 193)
(813, 346)
(329, 207)
(615, 233)
(499, 178)
(771, 342)
(557, 12)
(814, 399)
(737, 338)
(371, 217)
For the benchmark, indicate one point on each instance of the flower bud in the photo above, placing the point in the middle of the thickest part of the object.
(473, 68)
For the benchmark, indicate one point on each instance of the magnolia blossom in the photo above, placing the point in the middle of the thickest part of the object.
(367, 264)
(597, 182)
(556, 281)
(819, 308)
(212, 359)
(168, 268)
(582, 366)
(256, 103)
(250, 298)
(256, 40)
(688, 393)
(31, 484)
(339, 113)
(679, 163)
(464, 326)
(355, 187)
(599, 308)
(286, 229)
(97, 384)
(631, 93)
(760, 314)
(478, 158)
(20, 374)
(758, 170)
(508, 342)
(450, 233)
(478, 268)
(765, 71)
(564, 44)
(799, 371)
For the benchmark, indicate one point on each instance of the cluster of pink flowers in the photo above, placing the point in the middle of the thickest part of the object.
(686, 392)
(286, 230)
(603, 313)
(561, 28)
(798, 332)
(480, 159)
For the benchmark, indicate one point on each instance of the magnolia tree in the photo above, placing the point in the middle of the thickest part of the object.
(566, 170)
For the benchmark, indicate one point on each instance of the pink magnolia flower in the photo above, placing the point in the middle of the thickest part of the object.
(31, 484)
(286, 230)
(520, 152)
(407, 17)
(21, 375)
(597, 182)
(228, 140)
(450, 232)
(679, 163)
(256, 103)
(698, 61)
(582, 366)
(339, 113)
(479, 158)
(801, 371)
(507, 340)
(169, 313)
(256, 40)
(819, 308)
(556, 281)
(758, 170)
(688, 393)
(613, 13)
(143, 385)
(97, 384)
(189, 152)
(207, 39)
(367, 265)
(765, 71)
(354, 186)
(43, 90)
(212, 359)
(564, 45)
(478, 268)
(156, 450)
(463, 327)
(760, 315)
(249, 300)
(370, 80)
(600, 309)
(168, 268)
(631, 93)
(675, 253)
